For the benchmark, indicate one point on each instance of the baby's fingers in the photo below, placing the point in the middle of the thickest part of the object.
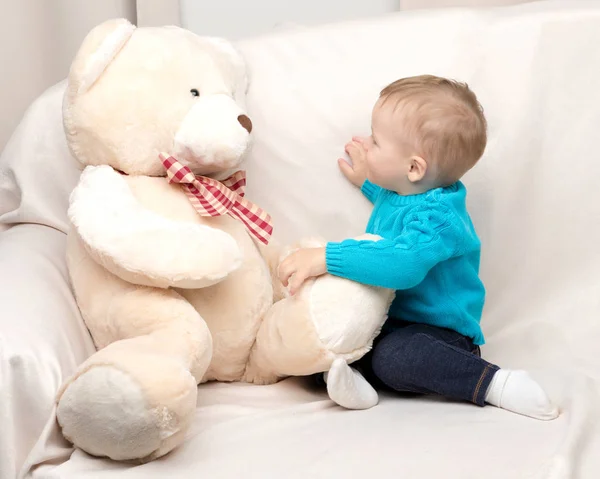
(347, 170)
(285, 270)
(296, 281)
(352, 148)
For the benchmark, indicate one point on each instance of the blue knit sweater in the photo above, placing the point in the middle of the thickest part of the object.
(429, 254)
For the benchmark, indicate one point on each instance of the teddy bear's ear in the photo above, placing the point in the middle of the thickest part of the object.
(226, 49)
(99, 48)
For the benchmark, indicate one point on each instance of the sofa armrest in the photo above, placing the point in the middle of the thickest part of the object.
(42, 341)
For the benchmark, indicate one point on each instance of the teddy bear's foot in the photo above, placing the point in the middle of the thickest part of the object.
(108, 412)
(104, 413)
(348, 388)
(254, 375)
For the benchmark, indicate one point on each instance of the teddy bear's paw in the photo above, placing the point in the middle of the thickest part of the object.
(348, 388)
(254, 375)
(128, 239)
(347, 315)
(264, 380)
(104, 409)
(105, 412)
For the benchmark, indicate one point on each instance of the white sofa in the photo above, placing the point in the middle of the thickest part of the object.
(534, 198)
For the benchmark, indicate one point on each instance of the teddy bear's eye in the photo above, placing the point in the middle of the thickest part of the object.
(195, 92)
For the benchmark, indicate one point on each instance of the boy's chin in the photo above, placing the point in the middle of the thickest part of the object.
(372, 178)
(380, 182)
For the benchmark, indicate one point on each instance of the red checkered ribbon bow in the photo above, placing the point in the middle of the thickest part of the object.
(216, 198)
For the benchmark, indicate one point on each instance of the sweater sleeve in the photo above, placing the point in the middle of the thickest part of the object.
(427, 238)
(370, 190)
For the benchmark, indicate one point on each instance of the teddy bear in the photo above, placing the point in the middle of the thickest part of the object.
(174, 296)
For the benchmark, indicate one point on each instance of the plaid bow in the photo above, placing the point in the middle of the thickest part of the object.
(216, 198)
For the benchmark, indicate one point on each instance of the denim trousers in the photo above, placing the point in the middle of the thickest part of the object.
(424, 359)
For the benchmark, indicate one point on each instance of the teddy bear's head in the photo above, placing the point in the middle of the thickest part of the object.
(136, 92)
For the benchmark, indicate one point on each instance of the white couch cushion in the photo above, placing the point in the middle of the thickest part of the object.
(37, 172)
(42, 341)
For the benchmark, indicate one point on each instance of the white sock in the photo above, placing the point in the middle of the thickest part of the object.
(516, 391)
(348, 388)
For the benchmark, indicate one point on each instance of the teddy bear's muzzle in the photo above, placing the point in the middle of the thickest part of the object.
(214, 135)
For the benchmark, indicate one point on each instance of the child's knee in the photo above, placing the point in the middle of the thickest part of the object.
(396, 360)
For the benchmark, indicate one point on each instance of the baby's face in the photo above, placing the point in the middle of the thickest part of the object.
(388, 151)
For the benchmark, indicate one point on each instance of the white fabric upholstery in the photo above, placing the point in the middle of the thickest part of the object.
(42, 340)
(533, 197)
(37, 173)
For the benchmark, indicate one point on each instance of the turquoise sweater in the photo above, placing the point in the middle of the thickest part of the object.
(429, 254)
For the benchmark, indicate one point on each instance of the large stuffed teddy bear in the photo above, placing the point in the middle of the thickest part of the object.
(171, 297)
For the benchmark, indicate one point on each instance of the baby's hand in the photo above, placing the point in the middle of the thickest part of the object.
(357, 172)
(301, 265)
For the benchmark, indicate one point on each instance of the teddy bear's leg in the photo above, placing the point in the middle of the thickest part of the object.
(272, 255)
(347, 387)
(286, 345)
(329, 318)
(135, 398)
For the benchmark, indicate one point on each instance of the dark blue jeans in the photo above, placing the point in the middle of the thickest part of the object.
(418, 358)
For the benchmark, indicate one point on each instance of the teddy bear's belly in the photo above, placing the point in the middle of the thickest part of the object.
(233, 309)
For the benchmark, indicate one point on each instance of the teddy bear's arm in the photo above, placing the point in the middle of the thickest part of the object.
(141, 246)
(272, 253)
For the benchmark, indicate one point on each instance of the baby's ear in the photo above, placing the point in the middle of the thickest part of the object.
(99, 48)
(417, 169)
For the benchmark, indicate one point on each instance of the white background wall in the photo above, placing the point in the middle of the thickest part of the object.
(38, 38)
(242, 18)
(410, 4)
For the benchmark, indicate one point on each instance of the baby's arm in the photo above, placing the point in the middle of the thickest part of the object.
(357, 172)
(428, 237)
(401, 262)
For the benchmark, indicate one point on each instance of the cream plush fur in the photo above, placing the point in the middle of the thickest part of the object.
(173, 299)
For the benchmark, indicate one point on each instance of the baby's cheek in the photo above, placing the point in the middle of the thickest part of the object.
(371, 170)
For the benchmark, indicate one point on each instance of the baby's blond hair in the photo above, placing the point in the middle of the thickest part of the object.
(444, 120)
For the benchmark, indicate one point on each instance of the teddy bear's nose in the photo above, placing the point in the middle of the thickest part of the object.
(245, 122)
